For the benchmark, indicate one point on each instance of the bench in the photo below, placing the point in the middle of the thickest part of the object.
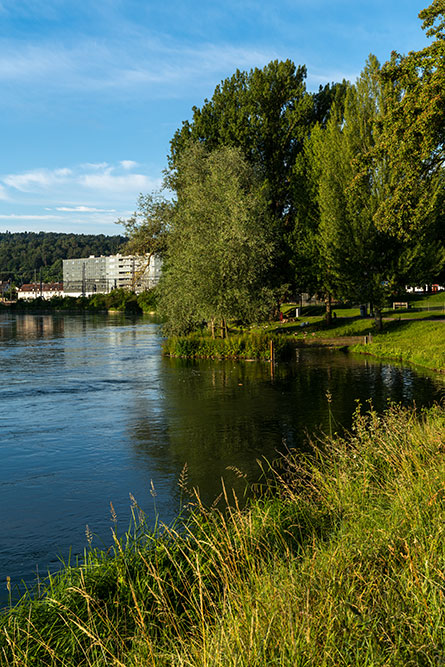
(400, 304)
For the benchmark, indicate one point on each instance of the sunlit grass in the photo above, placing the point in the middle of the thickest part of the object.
(421, 343)
(340, 562)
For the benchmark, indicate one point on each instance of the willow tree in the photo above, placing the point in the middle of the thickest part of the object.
(220, 244)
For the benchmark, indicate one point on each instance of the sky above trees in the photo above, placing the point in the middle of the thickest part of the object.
(93, 92)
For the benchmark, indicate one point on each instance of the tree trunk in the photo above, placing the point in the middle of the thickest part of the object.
(222, 329)
(378, 318)
(212, 327)
(328, 314)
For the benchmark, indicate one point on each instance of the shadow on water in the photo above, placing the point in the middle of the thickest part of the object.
(90, 411)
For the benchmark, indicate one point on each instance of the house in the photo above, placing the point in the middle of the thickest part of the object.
(35, 290)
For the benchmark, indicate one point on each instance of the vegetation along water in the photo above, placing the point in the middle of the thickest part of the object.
(331, 551)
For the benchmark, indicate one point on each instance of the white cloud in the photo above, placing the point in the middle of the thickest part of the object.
(36, 179)
(107, 181)
(128, 164)
(27, 216)
(95, 165)
(84, 209)
(101, 177)
(90, 194)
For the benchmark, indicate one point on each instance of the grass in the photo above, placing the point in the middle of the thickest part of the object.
(339, 562)
(417, 342)
(427, 301)
(415, 337)
(241, 346)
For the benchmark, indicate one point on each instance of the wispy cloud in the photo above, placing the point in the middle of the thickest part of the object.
(128, 164)
(27, 216)
(37, 179)
(153, 66)
(84, 209)
(101, 177)
(93, 194)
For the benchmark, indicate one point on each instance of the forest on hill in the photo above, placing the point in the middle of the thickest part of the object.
(28, 255)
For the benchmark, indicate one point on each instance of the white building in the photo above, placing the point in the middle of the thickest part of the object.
(99, 275)
(39, 290)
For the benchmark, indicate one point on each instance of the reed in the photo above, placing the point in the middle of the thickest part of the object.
(238, 346)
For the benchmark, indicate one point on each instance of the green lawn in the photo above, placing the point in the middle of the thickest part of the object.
(419, 342)
(431, 300)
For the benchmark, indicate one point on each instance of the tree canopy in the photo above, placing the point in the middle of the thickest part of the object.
(220, 244)
(339, 192)
(413, 132)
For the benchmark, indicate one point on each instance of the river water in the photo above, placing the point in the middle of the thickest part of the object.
(90, 412)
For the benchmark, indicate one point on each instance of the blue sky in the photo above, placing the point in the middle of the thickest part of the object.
(92, 91)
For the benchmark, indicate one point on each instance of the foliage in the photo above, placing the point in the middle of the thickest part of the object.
(267, 114)
(26, 255)
(147, 229)
(220, 243)
(359, 260)
(119, 299)
(123, 300)
(148, 300)
(342, 555)
(413, 134)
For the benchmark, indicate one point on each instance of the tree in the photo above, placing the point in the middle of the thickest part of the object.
(148, 229)
(412, 139)
(267, 114)
(220, 244)
(361, 260)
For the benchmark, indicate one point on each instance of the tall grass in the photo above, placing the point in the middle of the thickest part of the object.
(241, 346)
(340, 562)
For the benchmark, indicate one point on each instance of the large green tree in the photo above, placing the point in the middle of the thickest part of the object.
(266, 113)
(220, 244)
(359, 259)
(412, 139)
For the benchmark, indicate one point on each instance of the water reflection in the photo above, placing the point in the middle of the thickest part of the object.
(90, 411)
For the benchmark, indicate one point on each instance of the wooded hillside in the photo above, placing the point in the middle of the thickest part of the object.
(24, 255)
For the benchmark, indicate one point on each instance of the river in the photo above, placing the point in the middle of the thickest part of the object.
(90, 412)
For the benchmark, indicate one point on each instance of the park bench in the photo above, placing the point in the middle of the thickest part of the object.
(400, 304)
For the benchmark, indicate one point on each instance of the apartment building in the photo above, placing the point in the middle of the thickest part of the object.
(92, 275)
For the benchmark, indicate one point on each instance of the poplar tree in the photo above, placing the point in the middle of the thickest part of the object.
(359, 259)
(412, 138)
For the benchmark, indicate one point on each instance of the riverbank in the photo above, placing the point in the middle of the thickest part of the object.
(420, 341)
(118, 300)
(342, 559)
(417, 342)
